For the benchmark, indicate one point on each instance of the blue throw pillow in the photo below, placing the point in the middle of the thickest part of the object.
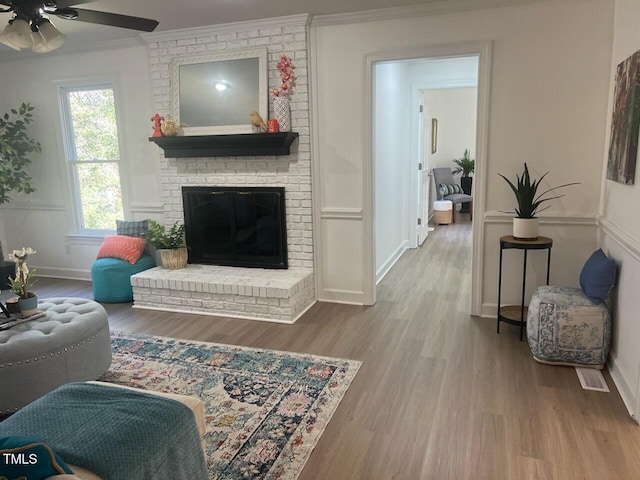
(598, 277)
(26, 457)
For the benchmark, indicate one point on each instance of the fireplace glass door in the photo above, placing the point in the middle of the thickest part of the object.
(236, 226)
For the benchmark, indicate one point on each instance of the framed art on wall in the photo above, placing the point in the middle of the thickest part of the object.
(434, 135)
(625, 122)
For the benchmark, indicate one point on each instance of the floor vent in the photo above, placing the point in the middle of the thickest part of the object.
(592, 379)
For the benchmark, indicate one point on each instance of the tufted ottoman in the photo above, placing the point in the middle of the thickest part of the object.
(70, 344)
(564, 327)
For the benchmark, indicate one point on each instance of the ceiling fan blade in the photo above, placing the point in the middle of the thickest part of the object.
(113, 19)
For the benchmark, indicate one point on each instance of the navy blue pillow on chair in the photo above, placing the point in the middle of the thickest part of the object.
(598, 277)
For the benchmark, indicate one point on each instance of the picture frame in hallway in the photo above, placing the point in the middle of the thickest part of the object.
(625, 122)
(434, 135)
(213, 94)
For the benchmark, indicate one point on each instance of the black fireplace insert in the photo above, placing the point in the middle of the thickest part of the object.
(236, 226)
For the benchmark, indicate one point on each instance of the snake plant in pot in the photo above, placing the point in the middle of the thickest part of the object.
(525, 225)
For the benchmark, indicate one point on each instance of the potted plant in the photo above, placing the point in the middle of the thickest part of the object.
(170, 242)
(23, 281)
(525, 225)
(15, 149)
(466, 166)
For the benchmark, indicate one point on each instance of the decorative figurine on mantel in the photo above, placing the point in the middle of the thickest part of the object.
(169, 128)
(157, 126)
(257, 122)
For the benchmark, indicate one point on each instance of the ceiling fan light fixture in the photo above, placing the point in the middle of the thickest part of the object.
(39, 43)
(51, 35)
(19, 33)
(4, 38)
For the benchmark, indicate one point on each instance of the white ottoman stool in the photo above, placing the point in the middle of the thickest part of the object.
(442, 212)
(70, 344)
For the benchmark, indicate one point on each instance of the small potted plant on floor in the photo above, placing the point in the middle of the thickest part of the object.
(23, 281)
(525, 225)
(171, 244)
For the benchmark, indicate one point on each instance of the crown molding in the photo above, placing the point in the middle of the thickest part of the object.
(287, 21)
(440, 7)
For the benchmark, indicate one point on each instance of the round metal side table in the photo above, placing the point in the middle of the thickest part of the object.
(517, 314)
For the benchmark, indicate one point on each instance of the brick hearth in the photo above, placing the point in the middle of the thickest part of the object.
(251, 293)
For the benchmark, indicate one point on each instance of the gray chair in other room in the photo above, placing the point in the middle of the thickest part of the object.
(444, 176)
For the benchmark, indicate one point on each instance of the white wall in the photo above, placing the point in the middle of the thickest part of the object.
(547, 59)
(43, 219)
(620, 232)
(456, 110)
(392, 163)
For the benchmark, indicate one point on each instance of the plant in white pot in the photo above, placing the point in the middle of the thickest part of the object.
(525, 225)
(171, 244)
(23, 281)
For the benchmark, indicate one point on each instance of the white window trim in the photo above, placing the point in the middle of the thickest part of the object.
(77, 234)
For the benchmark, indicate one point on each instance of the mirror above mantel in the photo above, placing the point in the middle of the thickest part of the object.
(214, 93)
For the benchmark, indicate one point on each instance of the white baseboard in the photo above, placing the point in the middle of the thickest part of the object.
(391, 261)
(627, 394)
(64, 273)
(337, 295)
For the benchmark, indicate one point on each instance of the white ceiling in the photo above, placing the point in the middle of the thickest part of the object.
(177, 14)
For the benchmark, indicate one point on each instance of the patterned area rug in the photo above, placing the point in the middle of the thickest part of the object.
(265, 409)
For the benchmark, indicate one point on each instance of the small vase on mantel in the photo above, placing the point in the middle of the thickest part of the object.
(282, 112)
(525, 228)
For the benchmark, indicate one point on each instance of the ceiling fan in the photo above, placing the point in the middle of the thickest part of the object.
(30, 26)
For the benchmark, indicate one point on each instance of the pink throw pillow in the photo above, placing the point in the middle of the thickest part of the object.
(123, 247)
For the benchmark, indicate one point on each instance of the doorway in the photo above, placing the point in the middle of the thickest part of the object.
(401, 138)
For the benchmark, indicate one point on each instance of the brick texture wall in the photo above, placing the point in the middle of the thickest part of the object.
(292, 172)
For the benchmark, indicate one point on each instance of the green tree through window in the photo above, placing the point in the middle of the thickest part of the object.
(93, 152)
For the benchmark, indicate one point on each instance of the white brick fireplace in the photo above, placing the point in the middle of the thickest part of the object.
(277, 295)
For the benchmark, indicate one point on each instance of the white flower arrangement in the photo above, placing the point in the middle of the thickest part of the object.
(24, 278)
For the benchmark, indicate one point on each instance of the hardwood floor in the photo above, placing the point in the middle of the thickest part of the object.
(439, 395)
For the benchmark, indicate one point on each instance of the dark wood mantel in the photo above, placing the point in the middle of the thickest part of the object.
(235, 145)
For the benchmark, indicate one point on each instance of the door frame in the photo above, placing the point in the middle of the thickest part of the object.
(417, 89)
(483, 50)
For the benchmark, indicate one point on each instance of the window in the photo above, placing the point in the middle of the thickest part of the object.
(92, 152)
